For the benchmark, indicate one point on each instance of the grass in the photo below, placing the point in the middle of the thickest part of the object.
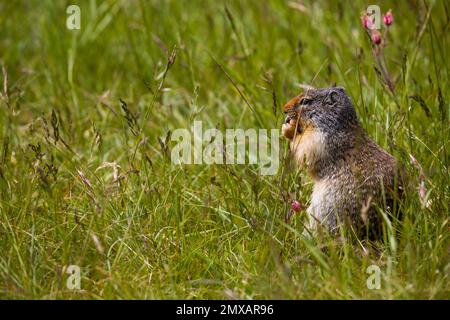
(86, 180)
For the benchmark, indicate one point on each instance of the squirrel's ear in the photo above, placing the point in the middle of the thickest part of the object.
(333, 97)
(334, 94)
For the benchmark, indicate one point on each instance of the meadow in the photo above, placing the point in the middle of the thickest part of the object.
(86, 177)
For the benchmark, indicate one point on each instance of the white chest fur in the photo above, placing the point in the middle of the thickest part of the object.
(320, 208)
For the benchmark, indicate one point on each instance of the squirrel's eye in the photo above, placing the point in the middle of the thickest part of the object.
(306, 101)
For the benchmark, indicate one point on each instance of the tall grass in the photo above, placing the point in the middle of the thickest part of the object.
(85, 172)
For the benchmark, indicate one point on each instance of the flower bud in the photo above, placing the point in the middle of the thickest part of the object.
(376, 37)
(388, 18)
(366, 22)
(295, 205)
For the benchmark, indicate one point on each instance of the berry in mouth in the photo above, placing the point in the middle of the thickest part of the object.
(287, 119)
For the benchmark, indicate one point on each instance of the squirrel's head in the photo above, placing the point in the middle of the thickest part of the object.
(322, 126)
(327, 109)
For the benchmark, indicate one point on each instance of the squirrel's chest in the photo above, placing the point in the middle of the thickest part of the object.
(321, 192)
(323, 199)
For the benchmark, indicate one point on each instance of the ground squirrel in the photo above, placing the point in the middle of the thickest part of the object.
(352, 175)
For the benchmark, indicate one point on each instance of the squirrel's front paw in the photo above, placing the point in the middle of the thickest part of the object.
(288, 129)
